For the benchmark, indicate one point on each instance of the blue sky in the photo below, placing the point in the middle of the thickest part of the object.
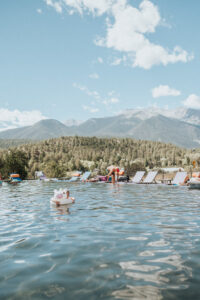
(77, 59)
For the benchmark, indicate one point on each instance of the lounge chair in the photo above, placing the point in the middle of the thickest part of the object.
(138, 177)
(150, 178)
(85, 176)
(74, 178)
(179, 178)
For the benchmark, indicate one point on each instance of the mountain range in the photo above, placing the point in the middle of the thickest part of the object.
(180, 127)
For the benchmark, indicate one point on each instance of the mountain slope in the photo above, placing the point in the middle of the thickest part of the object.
(163, 129)
(41, 130)
(139, 125)
(156, 128)
(110, 126)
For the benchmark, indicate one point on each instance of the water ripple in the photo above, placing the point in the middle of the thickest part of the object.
(116, 242)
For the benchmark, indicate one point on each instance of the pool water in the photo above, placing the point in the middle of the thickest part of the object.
(116, 242)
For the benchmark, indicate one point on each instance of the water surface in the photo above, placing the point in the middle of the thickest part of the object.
(116, 242)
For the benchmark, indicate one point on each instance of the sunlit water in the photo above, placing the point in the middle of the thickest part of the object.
(116, 242)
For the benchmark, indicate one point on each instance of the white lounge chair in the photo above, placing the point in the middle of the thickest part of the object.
(85, 176)
(74, 178)
(138, 177)
(150, 178)
(179, 178)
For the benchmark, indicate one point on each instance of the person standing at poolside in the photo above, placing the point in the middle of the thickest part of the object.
(112, 172)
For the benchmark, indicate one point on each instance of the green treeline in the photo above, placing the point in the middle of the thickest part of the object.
(56, 157)
(14, 143)
(14, 161)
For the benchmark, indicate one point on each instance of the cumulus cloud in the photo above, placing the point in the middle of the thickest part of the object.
(94, 76)
(84, 89)
(127, 34)
(193, 101)
(15, 118)
(100, 60)
(109, 100)
(118, 60)
(90, 109)
(127, 30)
(55, 4)
(111, 97)
(112, 100)
(164, 90)
(39, 11)
(96, 7)
(155, 55)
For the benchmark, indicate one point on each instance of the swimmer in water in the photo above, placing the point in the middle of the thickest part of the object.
(68, 195)
(62, 196)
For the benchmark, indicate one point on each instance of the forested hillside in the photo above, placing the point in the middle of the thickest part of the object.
(7, 143)
(58, 156)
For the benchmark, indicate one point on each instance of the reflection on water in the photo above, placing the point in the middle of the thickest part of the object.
(138, 292)
(116, 242)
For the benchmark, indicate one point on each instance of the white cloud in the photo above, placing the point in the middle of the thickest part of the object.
(96, 7)
(15, 118)
(127, 29)
(130, 23)
(84, 89)
(112, 100)
(94, 76)
(116, 62)
(193, 101)
(56, 5)
(152, 54)
(90, 109)
(39, 11)
(100, 60)
(127, 34)
(164, 90)
(108, 100)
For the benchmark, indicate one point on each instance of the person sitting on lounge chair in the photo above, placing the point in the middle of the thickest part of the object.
(186, 181)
